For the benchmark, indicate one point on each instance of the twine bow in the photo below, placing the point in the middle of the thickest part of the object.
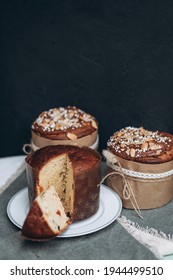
(127, 190)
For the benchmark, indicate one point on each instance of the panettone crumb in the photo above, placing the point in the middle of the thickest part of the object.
(58, 173)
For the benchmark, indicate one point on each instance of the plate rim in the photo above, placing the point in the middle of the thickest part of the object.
(66, 235)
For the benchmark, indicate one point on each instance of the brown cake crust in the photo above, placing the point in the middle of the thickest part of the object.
(64, 123)
(141, 145)
(86, 165)
(80, 157)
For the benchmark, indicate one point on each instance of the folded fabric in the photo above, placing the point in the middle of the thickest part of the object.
(10, 169)
(159, 243)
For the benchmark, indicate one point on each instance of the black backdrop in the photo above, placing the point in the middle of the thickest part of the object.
(113, 59)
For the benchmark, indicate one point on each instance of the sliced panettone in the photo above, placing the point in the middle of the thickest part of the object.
(46, 218)
(75, 173)
(59, 173)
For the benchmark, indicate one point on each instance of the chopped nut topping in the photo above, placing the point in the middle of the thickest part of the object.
(71, 136)
(132, 152)
(144, 146)
(154, 146)
(138, 142)
(93, 123)
(63, 118)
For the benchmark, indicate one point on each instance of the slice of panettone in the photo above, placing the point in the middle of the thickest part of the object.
(46, 218)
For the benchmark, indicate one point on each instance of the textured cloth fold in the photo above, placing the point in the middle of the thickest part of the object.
(10, 169)
(157, 242)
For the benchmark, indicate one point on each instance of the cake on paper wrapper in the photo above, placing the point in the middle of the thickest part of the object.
(64, 126)
(140, 167)
(74, 173)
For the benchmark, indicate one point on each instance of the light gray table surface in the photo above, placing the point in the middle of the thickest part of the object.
(112, 242)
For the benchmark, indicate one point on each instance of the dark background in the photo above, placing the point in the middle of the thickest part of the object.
(113, 59)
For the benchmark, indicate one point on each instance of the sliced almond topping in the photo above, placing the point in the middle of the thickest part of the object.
(119, 133)
(93, 123)
(52, 122)
(132, 152)
(122, 145)
(158, 152)
(153, 146)
(127, 136)
(71, 114)
(56, 111)
(144, 146)
(57, 115)
(141, 129)
(71, 136)
(46, 120)
(57, 126)
(137, 142)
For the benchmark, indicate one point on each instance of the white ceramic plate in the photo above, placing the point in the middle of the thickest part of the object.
(109, 210)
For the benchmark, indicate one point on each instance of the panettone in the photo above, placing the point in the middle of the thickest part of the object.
(64, 126)
(75, 173)
(141, 145)
(46, 218)
(140, 167)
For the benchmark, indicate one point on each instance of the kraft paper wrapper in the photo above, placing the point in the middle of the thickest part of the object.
(88, 140)
(149, 193)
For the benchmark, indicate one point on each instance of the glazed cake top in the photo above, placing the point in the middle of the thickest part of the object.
(63, 120)
(141, 145)
(80, 157)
